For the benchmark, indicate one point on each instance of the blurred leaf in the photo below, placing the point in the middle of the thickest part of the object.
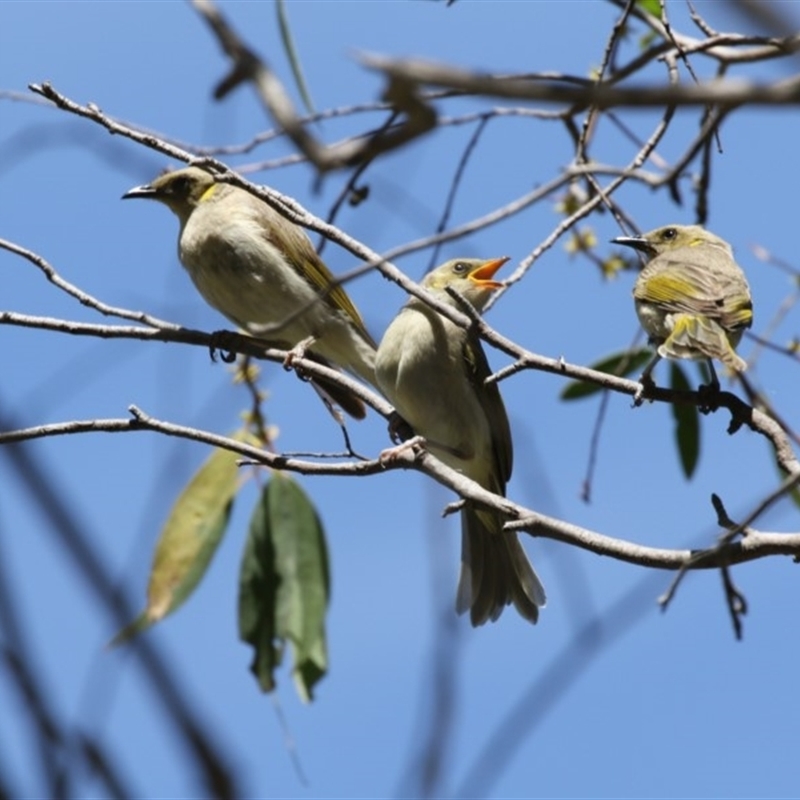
(189, 539)
(647, 40)
(291, 54)
(619, 364)
(649, 37)
(581, 241)
(687, 423)
(141, 623)
(283, 586)
(651, 7)
(572, 199)
(793, 494)
(613, 265)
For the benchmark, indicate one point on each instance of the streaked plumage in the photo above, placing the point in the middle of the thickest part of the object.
(692, 298)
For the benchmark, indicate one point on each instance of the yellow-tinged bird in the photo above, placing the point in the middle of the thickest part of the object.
(434, 373)
(261, 270)
(692, 298)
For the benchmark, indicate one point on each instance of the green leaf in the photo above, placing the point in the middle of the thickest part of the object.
(687, 423)
(258, 589)
(141, 623)
(650, 6)
(189, 539)
(793, 494)
(283, 586)
(620, 364)
(291, 54)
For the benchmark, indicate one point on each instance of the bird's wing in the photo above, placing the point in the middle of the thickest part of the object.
(318, 275)
(682, 282)
(492, 405)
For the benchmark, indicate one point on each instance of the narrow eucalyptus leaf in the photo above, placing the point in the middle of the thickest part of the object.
(291, 54)
(687, 423)
(302, 563)
(190, 537)
(258, 588)
(620, 364)
(284, 584)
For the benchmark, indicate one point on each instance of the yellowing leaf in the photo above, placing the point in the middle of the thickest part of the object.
(612, 266)
(571, 200)
(581, 241)
(190, 537)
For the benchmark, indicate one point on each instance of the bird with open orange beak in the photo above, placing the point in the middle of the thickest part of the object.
(434, 373)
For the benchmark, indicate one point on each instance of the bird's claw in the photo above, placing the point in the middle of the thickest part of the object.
(399, 429)
(393, 453)
(298, 351)
(708, 395)
(646, 385)
(222, 345)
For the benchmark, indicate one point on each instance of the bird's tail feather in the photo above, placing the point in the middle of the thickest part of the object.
(495, 572)
(338, 394)
(695, 336)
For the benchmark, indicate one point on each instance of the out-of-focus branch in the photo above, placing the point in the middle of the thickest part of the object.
(219, 780)
(247, 66)
(726, 93)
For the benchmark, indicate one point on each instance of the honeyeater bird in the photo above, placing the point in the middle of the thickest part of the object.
(434, 373)
(692, 298)
(260, 270)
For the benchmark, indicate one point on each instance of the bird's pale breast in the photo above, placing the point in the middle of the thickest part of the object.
(423, 375)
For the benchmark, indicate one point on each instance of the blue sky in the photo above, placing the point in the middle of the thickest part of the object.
(660, 705)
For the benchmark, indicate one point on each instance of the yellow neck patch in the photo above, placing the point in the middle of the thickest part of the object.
(208, 193)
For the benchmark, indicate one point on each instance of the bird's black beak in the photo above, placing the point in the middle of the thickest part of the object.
(636, 242)
(141, 191)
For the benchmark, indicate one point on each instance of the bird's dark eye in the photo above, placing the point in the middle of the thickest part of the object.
(180, 186)
(669, 234)
(460, 268)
